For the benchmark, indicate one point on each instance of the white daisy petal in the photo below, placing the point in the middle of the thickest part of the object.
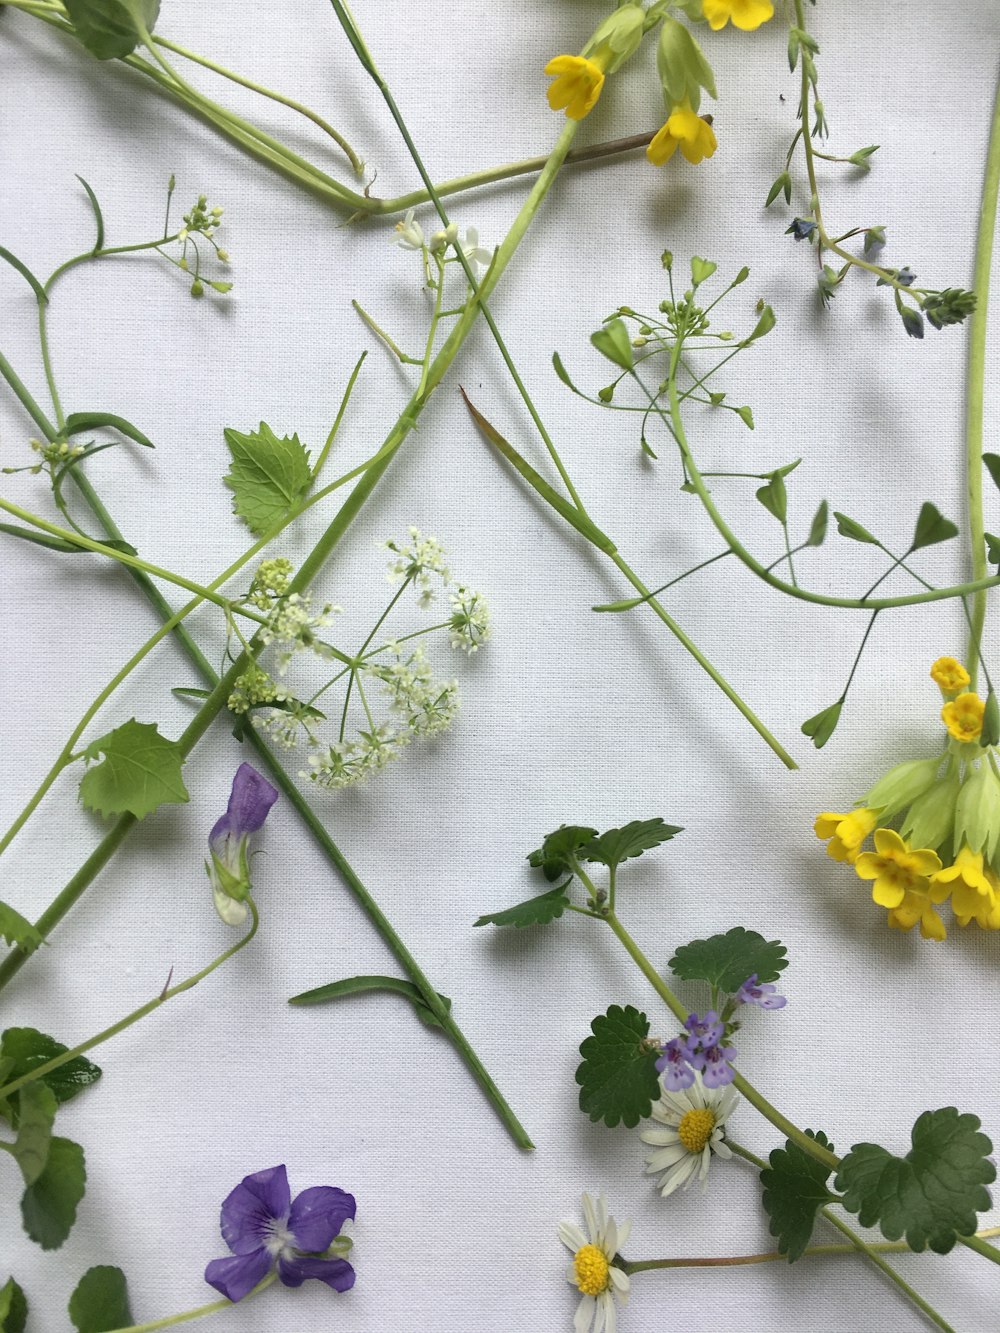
(666, 1157)
(571, 1236)
(660, 1137)
(585, 1312)
(624, 1231)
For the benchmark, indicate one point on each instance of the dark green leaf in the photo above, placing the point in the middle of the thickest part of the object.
(17, 930)
(618, 844)
(932, 527)
(48, 1207)
(13, 1308)
(106, 28)
(931, 1195)
(26, 274)
(618, 1079)
(98, 216)
(817, 529)
(794, 1192)
(77, 422)
(554, 856)
(36, 1113)
(43, 539)
(100, 1302)
(728, 960)
(848, 528)
(992, 462)
(990, 734)
(822, 725)
(774, 497)
(141, 771)
(337, 990)
(268, 476)
(27, 1048)
(992, 548)
(614, 342)
(538, 911)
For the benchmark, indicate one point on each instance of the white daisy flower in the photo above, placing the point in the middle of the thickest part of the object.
(592, 1271)
(694, 1121)
(409, 234)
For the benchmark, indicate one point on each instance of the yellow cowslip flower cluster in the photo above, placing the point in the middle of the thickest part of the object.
(947, 844)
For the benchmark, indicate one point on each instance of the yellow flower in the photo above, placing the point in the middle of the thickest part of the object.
(949, 675)
(899, 872)
(577, 83)
(964, 716)
(973, 896)
(846, 832)
(745, 14)
(684, 130)
(915, 908)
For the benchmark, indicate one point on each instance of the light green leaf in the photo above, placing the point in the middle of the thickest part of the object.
(614, 342)
(728, 960)
(990, 734)
(141, 771)
(36, 1114)
(538, 911)
(932, 527)
(817, 529)
(774, 497)
(337, 990)
(764, 325)
(106, 27)
(13, 1308)
(931, 1195)
(745, 414)
(847, 527)
(701, 270)
(268, 476)
(618, 1079)
(17, 930)
(100, 1302)
(554, 856)
(619, 844)
(822, 725)
(48, 1207)
(794, 1192)
(562, 372)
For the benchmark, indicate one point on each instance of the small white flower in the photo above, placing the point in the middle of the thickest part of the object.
(470, 620)
(694, 1121)
(592, 1270)
(442, 239)
(409, 234)
(475, 254)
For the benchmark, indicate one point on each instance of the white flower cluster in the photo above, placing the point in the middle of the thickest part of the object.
(410, 236)
(270, 582)
(292, 628)
(421, 562)
(470, 620)
(428, 705)
(347, 762)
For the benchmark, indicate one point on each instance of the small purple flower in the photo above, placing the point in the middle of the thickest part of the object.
(705, 1032)
(713, 1065)
(801, 228)
(263, 1228)
(761, 993)
(673, 1065)
(250, 800)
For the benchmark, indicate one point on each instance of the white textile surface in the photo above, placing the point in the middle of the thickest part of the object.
(568, 716)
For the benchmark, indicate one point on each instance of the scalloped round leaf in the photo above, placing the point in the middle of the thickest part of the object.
(48, 1207)
(552, 858)
(794, 1191)
(100, 1302)
(618, 1079)
(728, 960)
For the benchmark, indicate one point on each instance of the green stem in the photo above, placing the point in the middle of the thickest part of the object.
(976, 383)
(199, 1312)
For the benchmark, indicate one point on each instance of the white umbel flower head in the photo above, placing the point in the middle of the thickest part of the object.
(409, 234)
(693, 1129)
(592, 1270)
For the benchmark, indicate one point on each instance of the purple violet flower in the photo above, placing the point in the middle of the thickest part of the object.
(263, 1228)
(713, 1065)
(706, 1032)
(761, 993)
(250, 800)
(673, 1065)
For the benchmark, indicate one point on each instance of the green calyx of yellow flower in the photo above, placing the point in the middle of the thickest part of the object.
(901, 786)
(682, 66)
(931, 817)
(977, 811)
(617, 38)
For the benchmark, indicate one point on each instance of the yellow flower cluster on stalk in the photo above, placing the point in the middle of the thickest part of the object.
(947, 811)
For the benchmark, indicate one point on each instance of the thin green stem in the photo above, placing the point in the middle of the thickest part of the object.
(403, 357)
(47, 364)
(432, 330)
(328, 445)
(213, 1307)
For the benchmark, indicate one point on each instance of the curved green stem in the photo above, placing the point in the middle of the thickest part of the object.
(199, 1312)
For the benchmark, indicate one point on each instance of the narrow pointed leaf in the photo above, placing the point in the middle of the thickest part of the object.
(77, 422)
(98, 216)
(337, 990)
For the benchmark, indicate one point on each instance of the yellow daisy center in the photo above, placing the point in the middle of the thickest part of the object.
(591, 1268)
(695, 1128)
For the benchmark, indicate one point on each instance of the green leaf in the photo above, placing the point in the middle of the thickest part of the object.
(562, 372)
(774, 497)
(13, 1308)
(141, 771)
(783, 185)
(817, 529)
(794, 1192)
(848, 528)
(537, 911)
(932, 527)
(745, 414)
(618, 1079)
(614, 342)
(36, 1114)
(106, 27)
(78, 422)
(189, 692)
(764, 325)
(98, 215)
(26, 274)
(992, 462)
(619, 844)
(822, 725)
(24, 1049)
(931, 1195)
(48, 1207)
(337, 990)
(268, 476)
(992, 548)
(990, 734)
(728, 960)
(100, 1301)
(43, 539)
(17, 930)
(553, 857)
(701, 270)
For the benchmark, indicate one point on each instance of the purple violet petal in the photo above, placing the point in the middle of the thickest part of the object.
(249, 801)
(249, 1209)
(336, 1273)
(238, 1274)
(317, 1215)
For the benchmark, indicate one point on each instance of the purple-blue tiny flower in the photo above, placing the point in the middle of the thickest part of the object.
(705, 1032)
(250, 800)
(761, 993)
(265, 1229)
(713, 1065)
(673, 1065)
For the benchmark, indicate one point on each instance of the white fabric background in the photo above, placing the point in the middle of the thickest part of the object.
(568, 716)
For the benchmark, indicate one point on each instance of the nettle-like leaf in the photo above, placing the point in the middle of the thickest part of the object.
(24, 1049)
(619, 844)
(18, 930)
(48, 1206)
(106, 27)
(931, 1195)
(268, 476)
(618, 1079)
(795, 1190)
(553, 857)
(141, 771)
(13, 1308)
(537, 911)
(36, 1113)
(100, 1301)
(728, 960)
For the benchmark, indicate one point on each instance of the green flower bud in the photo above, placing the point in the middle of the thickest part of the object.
(902, 785)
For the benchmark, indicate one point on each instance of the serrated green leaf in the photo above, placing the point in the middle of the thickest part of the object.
(774, 497)
(268, 476)
(618, 1079)
(13, 1308)
(931, 1195)
(106, 27)
(77, 422)
(553, 857)
(338, 990)
(619, 844)
(817, 528)
(537, 911)
(141, 771)
(794, 1192)
(728, 960)
(614, 342)
(821, 726)
(18, 930)
(932, 527)
(36, 1114)
(847, 527)
(100, 1302)
(24, 1049)
(48, 1207)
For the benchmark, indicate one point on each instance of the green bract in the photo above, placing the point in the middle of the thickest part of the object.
(898, 788)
